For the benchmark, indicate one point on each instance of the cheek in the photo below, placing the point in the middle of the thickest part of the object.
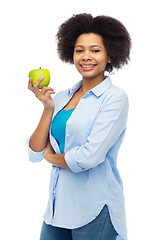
(103, 62)
(75, 59)
(76, 64)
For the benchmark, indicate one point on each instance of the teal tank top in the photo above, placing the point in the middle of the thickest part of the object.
(58, 127)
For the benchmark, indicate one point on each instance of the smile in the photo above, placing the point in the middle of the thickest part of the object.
(87, 66)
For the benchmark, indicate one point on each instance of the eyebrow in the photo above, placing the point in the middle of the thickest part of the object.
(90, 46)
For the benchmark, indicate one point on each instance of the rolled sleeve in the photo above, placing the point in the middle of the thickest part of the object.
(34, 156)
(70, 158)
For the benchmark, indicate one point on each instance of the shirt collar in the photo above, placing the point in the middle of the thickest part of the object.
(98, 90)
(102, 87)
(74, 88)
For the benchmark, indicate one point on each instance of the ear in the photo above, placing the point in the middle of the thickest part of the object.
(109, 60)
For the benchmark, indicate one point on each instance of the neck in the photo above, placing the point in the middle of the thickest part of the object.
(89, 83)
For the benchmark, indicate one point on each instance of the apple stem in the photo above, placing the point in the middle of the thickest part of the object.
(40, 68)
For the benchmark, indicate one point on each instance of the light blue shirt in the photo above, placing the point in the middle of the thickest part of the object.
(94, 133)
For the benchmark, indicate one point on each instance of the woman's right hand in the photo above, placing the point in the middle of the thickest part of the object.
(44, 95)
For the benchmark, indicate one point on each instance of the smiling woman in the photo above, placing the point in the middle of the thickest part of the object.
(81, 131)
(90, 56)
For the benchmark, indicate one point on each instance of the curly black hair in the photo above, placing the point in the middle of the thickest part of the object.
(115, 38)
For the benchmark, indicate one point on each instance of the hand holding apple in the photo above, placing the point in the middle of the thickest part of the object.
(38, 73)
(44, 94)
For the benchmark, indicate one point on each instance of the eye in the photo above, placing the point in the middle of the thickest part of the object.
(95, 50)
(78, 50)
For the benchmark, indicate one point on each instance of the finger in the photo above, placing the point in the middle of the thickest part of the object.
(37, 83)
(30, 87)
(48, 93)
(44, 95)
(45, 89)
(36, 86)
(30, 83)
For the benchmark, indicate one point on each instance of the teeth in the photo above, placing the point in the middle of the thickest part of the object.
(87, 66)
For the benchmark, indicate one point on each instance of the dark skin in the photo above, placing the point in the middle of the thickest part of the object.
(90, 59)
(40, 138)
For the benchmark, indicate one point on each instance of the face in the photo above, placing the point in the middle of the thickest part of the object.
(90, 56)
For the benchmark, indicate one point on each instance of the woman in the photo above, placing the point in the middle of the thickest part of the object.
(80, 133)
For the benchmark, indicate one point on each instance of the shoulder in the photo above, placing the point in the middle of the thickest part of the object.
(116, 93)
(115, 102)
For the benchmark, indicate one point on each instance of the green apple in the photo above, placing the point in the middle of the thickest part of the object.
(37, 73)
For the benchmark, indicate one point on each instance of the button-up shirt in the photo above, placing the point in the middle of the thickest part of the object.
(94, 133)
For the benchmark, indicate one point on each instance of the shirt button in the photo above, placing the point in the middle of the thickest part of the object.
(67, 135)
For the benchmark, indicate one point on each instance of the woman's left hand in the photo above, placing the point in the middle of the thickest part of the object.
(57, 160)
(49, 150)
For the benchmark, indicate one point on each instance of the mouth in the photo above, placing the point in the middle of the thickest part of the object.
(88, 67)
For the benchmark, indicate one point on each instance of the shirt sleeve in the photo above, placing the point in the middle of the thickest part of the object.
(34, 156)
(107, 128)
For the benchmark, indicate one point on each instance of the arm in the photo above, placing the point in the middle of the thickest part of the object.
(56, 159)
(39, 138)
(107, 128)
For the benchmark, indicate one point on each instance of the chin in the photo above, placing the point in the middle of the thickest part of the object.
(92, 76)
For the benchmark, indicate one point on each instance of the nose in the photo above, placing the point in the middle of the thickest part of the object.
(86, 56)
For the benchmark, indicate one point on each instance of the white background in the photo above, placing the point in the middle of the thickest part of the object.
(27, 41)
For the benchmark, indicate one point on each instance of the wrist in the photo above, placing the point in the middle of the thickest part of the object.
(49, 110)
(51, 158)
(46, 156)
